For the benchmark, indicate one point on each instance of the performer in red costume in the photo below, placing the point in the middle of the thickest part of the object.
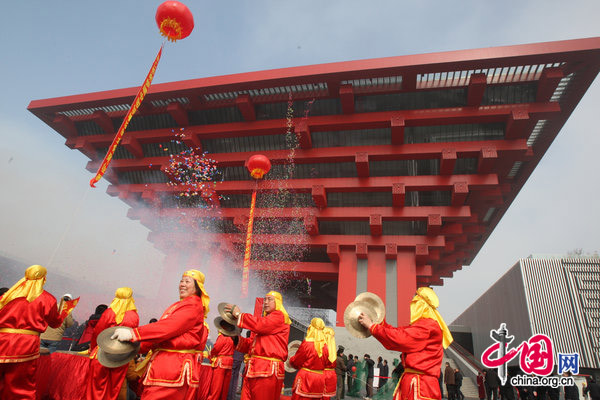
(221, 356)
(310, 360)
(26, 310)
(329, 371)
(267, 347)
(103, 382)
(177, 341)
(421, 343)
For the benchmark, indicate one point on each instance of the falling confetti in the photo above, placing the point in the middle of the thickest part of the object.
(194, 175)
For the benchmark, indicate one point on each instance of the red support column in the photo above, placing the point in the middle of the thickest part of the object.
(347, 99)
(398, 194)
(397, 125)
(406, 284)
(303, 134)
(448, 161)
(362, 164)
(376, 224)
(319, 196)
(346, 282)
(376, 272)
(477, 83)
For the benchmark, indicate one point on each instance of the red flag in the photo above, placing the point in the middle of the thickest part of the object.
(67, 307)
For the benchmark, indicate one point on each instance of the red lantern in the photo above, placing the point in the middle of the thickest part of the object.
(258, 165)
(174, 20)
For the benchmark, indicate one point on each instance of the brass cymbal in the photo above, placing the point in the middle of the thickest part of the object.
(227, 316)
(115, 360)
(351, 314)
(114, 346)
(225, 328)
(293, 347)
(376, 303)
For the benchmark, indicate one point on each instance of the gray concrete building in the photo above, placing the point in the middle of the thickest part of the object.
(552, 295)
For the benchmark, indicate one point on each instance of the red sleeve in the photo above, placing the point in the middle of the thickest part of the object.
(183, 318)
(53, 316)
(410, 338)
(298, 359)
(244, 344)
(262, 325)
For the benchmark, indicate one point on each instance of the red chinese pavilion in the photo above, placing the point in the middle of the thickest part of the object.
(398, 169)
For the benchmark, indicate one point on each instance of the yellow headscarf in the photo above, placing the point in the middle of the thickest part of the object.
(315, 334)
(279, 305)
(122, 303)
(424, 305)
(199, 278)
(330, 340)
(30, 287)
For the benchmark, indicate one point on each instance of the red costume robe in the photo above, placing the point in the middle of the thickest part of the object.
(177, 340)
(310, 380)
(21, 324)
(105, 383)
(267, 349)
(330, 378)
(222, 356)
(422, 353)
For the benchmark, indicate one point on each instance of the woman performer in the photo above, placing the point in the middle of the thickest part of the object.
(422, 344)
(104, 382)
(177, 340)
(26, 310)
(329, 371)
(310, 360)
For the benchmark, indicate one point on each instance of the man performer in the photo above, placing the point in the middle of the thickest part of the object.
(221, 357)
(267, 348)
(421, 343)
(310, 360)
(103, 382)
(26, 310)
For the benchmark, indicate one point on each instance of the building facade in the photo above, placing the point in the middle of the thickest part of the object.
(387, 173)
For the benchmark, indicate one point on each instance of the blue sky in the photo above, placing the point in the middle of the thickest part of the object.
(52, 49)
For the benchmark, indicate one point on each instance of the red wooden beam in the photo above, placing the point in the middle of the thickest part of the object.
(320, 186)
(548, 83)
(384, 119)
(179, 113)
(101, 118)
(414, 151)
(134, 147)
(246, 107)
(308, 269)
(310, 214)
(404, 241)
